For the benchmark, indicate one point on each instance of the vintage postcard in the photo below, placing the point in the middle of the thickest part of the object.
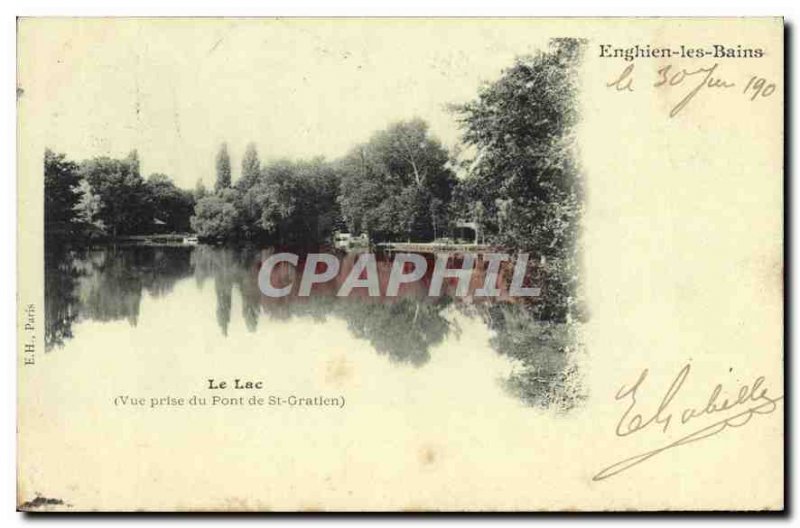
(403, 265)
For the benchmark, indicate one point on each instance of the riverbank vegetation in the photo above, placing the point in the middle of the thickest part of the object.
(514, 176)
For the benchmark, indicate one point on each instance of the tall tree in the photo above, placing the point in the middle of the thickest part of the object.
(133, 162)
(250, 167)
(200, 190)
(524, 178)
(223, 169)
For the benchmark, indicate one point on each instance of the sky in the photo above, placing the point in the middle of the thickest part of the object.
(175, 89)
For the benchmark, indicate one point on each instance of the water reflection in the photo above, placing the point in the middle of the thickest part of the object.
(108, 284)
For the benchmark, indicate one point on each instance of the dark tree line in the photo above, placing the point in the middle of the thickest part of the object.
(396, 186)
(107, 198)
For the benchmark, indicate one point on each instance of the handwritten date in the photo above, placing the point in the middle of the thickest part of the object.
(692, 82)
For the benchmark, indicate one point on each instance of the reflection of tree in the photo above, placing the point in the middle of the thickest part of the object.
(547, 373)
(113, 291)
(404, 330)
(223, 289)
(251, 299)
(161, 267)
(105, 284)
(229, 267)
(60, 283)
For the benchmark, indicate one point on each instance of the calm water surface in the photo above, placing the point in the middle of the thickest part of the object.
(208, 297)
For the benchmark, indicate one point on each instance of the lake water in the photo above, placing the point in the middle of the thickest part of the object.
(179, 301)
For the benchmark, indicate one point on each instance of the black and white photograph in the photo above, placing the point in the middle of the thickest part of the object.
(399, 264)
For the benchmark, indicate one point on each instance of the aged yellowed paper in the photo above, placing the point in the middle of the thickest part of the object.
(400, 264)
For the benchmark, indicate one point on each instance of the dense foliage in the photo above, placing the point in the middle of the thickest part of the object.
(523, 185)
(279, 202)
(394, 187)
(60, 193)
(105, 197)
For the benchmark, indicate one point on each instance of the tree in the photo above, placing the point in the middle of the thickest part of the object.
(250, 167)
(503, 213)
(106, 196)
(437, 211)
(87, 210)
(215, 217)
(133, 162)
(126, 206)
(60, 180)
(524, 174)
(200, 190)
(171, 205)
(479, 216)
(292, 202)
(223, 169)
(389, 182)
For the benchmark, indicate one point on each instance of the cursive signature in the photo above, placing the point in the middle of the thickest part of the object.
(738, 410)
